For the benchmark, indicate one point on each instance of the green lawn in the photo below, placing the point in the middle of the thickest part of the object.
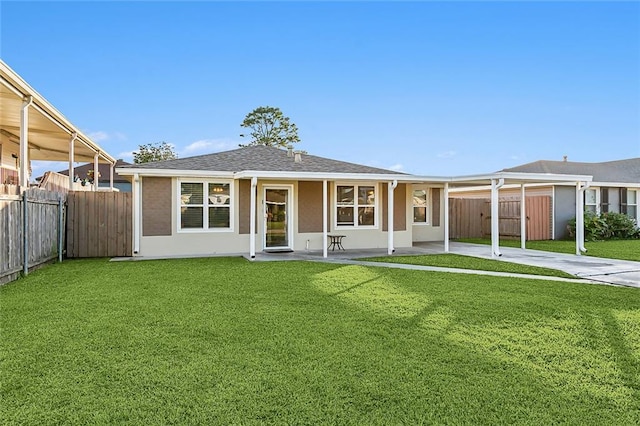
(227, 341)
(468, 262)
(613, 249)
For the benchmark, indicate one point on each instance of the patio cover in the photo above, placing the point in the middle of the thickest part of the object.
(48, 135)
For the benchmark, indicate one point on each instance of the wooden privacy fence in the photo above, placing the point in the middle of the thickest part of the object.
(471, 218)
(31, 229)
(99, 224)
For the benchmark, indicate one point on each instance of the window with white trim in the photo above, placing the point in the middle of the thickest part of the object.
(632, 203)
(356, 206)
(591, 200)
(420, 206)
(205, 205)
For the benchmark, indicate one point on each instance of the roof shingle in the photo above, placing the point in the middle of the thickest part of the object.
(261, 158)
(623, 171)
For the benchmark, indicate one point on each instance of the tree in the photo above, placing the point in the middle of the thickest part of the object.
(154, 152)
(270, 127)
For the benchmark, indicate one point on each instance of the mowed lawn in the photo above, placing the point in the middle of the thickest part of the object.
(227, 341)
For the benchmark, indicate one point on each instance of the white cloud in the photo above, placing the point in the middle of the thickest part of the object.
(120, 136)
(126, 155)
(447, 154)
(98, 136)
(397, 167)
(206, 146)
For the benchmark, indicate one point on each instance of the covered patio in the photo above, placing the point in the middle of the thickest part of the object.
(32, 129)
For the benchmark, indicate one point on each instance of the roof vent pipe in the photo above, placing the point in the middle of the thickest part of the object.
(297, 157)
(289, 151)
(564, 158)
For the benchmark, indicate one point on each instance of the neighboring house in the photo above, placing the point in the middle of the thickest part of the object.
(269, 199)
(32, 129)
(85, 173)
(615, 187)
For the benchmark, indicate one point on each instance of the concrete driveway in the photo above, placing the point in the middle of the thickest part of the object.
(610, 271)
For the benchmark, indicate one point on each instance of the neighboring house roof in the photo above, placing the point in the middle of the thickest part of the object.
(620, 171)
(262, 158)
(81, 171)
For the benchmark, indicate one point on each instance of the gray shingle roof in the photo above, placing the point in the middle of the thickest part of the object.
(260, 158)
(627, 171)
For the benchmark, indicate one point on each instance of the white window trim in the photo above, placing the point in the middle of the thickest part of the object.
(205, 183)
(290, 214)
(428, 211)
(597, 205)
(376, 205)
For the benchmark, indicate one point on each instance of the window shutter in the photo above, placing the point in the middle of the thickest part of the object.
(604, 200)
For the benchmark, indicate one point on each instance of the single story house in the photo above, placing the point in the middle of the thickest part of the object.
(615, 187)
(260, 198)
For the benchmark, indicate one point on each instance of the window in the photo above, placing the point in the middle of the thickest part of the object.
(590, 201)
(420, 206)
(355, 205)
(205, 205)
(604, 200)
(630, 206)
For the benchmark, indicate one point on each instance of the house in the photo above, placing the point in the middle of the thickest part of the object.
(32, 129)
(84, 173)
(262, 198)
(615, 187)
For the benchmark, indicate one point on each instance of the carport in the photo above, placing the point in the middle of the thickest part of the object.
(495, 181)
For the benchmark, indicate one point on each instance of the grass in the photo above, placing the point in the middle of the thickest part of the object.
(226, 341)
(468, 262)
(612, 249)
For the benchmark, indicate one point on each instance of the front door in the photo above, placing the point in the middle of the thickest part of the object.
(276, 216)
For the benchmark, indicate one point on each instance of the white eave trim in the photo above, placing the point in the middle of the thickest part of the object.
(523, 177)
(616, 184)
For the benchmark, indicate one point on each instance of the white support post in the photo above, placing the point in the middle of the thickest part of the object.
(523, 218)
(391, 186)
(113, 165)
(136, 213)
(252, 218)
(96, 173)
(446, 217)
(495, 212)
(24, 141)
(324, 219)
(580, 218)
(72, 143)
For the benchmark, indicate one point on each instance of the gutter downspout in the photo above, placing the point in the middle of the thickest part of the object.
(391, 187)
(495, 212)
(72, 142)
(446, 217)
(325, 213)
(136, 213)
(24, 141)
(252, 219)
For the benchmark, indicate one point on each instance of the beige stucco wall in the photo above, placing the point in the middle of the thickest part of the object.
(233, 242)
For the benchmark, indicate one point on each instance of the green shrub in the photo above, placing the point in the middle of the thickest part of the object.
(607, 226)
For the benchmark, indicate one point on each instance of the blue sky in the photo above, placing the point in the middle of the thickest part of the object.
(430, 88)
